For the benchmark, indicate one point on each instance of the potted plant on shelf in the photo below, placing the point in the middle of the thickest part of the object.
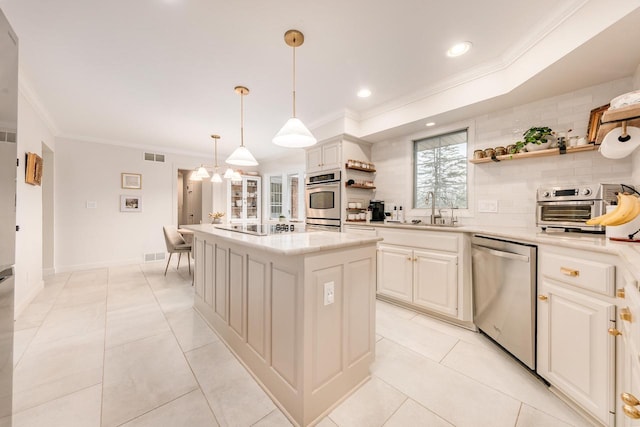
(216, 217)
(534, 139)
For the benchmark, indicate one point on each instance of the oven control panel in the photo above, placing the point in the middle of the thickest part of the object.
(606, 192)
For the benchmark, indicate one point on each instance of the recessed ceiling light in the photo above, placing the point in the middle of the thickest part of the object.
(364, 93)
(459, 49)
(431, 124)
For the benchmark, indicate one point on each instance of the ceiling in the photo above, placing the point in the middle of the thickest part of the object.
(161, 73)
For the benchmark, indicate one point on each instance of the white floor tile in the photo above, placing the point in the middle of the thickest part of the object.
(326, 422)
(531, 417)
(371, 405)
(382, 306)
(142, 375)
(175, 299)
(275, 419)
(75, 321)
(134, 323)
(413, 414)
(454, 397)
(428, 342)
(21, 339)
(189, 410)
(56, 368)
(234, 396)
(81, 408)
(33, 315)
(495, 368)
(190, 329)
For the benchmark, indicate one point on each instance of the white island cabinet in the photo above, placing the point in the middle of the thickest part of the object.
(298, 309)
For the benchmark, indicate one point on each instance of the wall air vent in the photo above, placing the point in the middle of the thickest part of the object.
(159, 256)
(154, 157)
(7, 136)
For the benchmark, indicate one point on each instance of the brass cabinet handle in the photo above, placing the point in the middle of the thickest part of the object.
(629, 399)
(415, 259)
(410, 259)
(620, 293)
(569, 272)
(543, 297)
(625, 314)
(631, 412)
(615, 333)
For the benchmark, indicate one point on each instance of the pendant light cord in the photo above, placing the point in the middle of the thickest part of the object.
(294, 81)
(215, 152)
(241, 119)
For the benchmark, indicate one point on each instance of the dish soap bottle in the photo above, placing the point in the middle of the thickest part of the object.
(394, 215)
(400, 215)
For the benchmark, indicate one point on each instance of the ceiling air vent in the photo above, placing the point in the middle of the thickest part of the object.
(154, 157)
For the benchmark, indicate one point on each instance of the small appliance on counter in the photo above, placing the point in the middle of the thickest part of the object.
(567, 208)
(377, 210)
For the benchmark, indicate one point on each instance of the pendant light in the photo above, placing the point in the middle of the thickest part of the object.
(216, 176)
(193, 176)
(294, 134)
(202, 172)
(241, 156)
(228, 173)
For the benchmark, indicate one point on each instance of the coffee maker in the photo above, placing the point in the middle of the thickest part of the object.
(377, 210)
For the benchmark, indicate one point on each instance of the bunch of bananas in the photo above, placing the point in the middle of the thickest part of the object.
(628, 209)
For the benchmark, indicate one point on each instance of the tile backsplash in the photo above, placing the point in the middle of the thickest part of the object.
(513, 184)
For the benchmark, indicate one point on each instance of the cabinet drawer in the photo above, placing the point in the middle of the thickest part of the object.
(585, 274)
(421, 239)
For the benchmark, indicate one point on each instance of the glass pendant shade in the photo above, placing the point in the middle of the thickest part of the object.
(228, 173)
(216, 178)
(294, 134)
(202, 172)
(241, 157)
(194, 176)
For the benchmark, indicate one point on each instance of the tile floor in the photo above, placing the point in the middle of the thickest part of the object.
(123, 347)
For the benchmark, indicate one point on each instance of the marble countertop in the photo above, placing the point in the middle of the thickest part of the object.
(297, 243)
(629, 252)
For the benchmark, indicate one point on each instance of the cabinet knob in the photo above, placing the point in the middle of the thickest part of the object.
(631, 412)
(543, 297)
(569, 272)
(614, 332)
(625, 314)
(620, 293)
(629, 399)
(409, 258)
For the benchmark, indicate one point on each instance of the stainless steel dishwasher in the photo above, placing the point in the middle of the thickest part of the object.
(504, 290)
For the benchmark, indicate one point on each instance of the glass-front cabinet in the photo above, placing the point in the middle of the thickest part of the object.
(243, 200)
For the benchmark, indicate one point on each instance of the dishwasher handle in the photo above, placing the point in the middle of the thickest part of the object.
(502, 254)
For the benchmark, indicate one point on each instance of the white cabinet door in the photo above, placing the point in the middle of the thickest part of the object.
(198, 257)
(435, 281)
(630, 387)
(243, 200)
(575, 351)
(314, 159)
(331, 156)
(395, 271)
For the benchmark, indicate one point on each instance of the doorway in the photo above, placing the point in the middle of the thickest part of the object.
(189, 199)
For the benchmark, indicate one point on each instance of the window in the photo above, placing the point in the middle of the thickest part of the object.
(275, 197)
(440, 164)
(286, 196)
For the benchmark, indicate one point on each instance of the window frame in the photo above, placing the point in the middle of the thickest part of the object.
(285, 194)
(443, 130)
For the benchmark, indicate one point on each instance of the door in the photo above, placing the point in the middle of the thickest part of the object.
(435, 281)
(395, 272)
(575, 351)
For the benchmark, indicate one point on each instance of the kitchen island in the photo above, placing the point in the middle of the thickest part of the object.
(297, 309)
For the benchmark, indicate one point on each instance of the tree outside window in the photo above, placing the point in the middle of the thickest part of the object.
(440, 164)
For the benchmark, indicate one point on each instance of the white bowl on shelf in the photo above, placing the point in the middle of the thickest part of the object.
(538, 147)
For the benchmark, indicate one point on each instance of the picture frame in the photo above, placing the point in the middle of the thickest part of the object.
(131, 181)
(33, 169)
(594, 122)
(130, 203)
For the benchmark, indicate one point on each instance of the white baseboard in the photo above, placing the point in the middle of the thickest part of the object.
(21, 305)
(48, 272)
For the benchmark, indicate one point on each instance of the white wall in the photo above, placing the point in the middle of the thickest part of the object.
(87, 171)
(513, 184)
(32, 132)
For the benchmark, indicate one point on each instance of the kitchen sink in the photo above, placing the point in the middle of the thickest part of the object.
(424, 224)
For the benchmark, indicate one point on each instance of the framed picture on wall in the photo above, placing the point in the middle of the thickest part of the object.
(130, 203)
(33, 170)
(131, 181)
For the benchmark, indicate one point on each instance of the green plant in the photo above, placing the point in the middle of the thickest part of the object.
(534, 135)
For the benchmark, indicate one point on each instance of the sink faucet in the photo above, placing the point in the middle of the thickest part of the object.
(432, 219)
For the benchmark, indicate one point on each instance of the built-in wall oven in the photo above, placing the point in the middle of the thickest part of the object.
(569, 207)
(323, 193)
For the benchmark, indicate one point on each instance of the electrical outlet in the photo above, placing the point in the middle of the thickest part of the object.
(329, 293)
(488, 206)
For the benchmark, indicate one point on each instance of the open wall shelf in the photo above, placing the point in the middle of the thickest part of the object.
(532, 154)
